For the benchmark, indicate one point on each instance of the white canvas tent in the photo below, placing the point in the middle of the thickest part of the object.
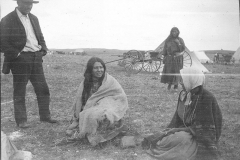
(195, 61)
(202, 57)
(236, 55)
(79, 52)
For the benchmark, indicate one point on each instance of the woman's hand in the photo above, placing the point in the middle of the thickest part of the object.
(172, 131)
(167, 129)
(177, 41)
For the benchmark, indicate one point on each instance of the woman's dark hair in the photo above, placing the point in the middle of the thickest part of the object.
(88, 81)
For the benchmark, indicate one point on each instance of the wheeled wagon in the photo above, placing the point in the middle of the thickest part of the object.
(135, 61)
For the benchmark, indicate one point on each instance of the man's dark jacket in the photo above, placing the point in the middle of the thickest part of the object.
(13, 35)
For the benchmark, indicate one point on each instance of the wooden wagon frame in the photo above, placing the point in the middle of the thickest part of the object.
(151, 61)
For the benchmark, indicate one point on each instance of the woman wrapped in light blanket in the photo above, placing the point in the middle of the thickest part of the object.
(99, 107)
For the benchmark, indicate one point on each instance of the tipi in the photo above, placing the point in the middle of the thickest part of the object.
(195, 61)
(202, 57)
(236, 55)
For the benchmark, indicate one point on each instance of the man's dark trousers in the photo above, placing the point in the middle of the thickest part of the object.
(28, 66)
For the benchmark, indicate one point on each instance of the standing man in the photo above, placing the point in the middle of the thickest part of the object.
(23, 45)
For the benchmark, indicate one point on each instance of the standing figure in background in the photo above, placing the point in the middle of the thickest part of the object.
(216, 57)
(23, 45)
(172, 63)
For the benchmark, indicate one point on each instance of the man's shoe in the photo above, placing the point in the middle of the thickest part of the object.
(23, 125)
(49, 120)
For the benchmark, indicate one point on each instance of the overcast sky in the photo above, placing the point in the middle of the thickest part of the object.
(136, 24)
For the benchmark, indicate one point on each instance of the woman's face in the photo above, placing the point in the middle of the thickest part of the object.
(98, 70)
(175, 33)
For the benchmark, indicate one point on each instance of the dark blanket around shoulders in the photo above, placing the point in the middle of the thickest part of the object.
(207, 122)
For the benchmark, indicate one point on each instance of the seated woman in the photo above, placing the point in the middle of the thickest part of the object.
(100, 105)
(195, 128)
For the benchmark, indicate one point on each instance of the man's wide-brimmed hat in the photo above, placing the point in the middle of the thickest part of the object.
(29, 1)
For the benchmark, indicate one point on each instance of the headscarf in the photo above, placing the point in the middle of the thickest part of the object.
(192, 77)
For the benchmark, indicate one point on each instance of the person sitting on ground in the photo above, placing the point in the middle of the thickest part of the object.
(10, 152)
(195, 128)
(100, 105)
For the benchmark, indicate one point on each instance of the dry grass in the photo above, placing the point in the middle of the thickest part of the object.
(151, 108)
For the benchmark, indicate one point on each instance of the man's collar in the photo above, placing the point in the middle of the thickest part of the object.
(20, 14)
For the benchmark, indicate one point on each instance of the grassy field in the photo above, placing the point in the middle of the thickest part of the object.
(151, 107)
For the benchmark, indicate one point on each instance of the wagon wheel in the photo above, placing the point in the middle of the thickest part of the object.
(187, 60)
(151, 62)
(133, 61)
